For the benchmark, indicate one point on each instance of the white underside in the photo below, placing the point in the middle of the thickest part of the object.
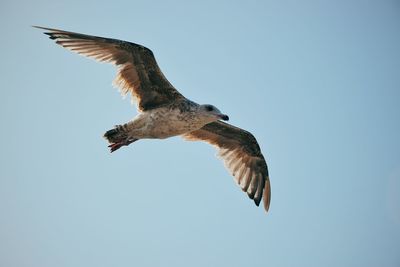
(163, 123)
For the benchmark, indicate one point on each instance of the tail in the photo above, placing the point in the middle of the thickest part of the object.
(118, 137)
(115, 135)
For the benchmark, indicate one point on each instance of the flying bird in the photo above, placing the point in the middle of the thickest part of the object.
(164, 112)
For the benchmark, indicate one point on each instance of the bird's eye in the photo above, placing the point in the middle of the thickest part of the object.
(209, 108)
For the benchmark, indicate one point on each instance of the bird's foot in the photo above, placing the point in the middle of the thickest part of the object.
(116, 146)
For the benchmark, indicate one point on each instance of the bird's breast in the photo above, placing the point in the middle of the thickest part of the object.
(163, 123)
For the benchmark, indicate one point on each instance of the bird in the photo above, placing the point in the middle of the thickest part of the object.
(164, 112)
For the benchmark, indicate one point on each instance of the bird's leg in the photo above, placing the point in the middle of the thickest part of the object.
(116, 146)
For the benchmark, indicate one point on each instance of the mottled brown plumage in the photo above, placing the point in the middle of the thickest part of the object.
(242, 157)
(164, 112)
(138, 72)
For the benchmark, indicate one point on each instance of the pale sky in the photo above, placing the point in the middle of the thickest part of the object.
(317, 83)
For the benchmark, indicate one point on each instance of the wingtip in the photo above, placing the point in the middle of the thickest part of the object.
(47, 29)
(267, 195)
(39, 27)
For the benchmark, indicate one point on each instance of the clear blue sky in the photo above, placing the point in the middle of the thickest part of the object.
(317, 82)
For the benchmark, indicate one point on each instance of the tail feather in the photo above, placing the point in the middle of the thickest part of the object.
(118, 137)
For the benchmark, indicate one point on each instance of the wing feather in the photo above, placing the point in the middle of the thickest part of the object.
(246, 179)
(242, 157)
(138, 72)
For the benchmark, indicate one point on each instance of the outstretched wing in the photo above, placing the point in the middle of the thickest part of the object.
(138, 72)
(242, 157)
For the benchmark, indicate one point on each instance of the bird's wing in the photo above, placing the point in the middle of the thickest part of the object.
(241, 155)
(138, 72)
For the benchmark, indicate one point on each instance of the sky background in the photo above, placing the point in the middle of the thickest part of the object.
(317, 83)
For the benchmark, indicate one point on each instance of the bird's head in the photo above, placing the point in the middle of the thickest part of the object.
(212, 113)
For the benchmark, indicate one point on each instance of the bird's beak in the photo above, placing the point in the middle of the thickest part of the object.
(224, 117)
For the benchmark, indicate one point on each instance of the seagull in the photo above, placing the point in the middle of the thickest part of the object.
(164, 112)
